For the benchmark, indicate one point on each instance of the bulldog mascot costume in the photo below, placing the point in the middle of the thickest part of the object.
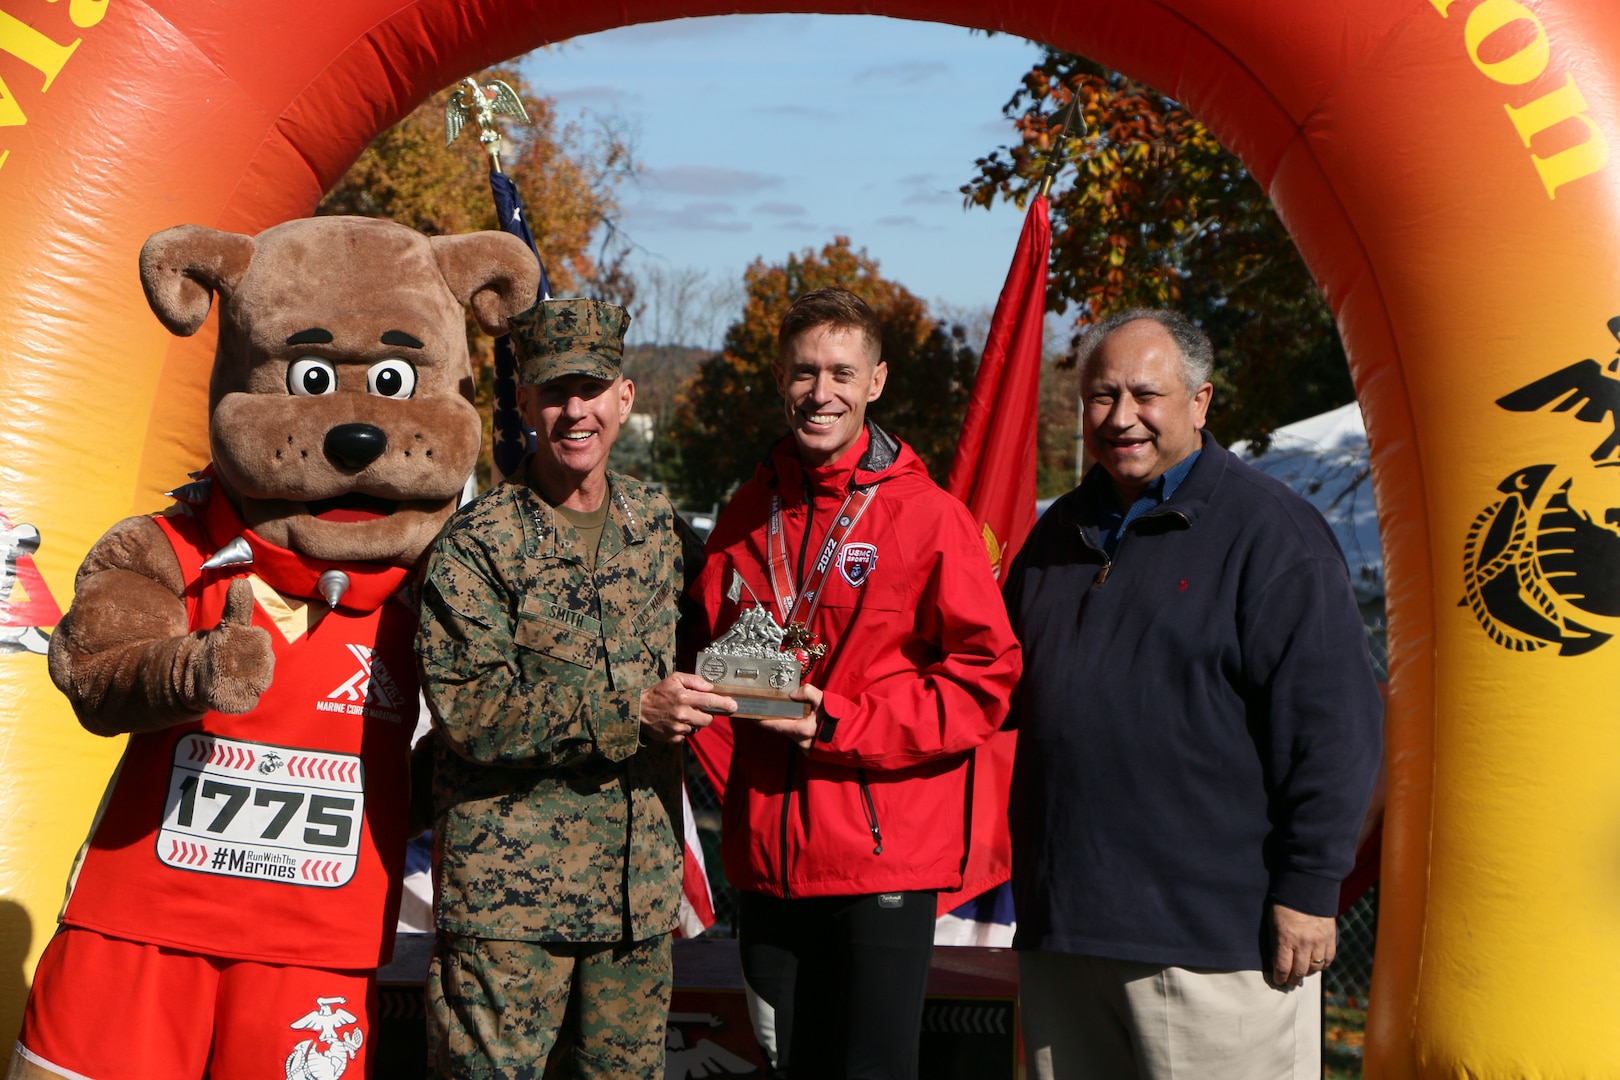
(239, 887)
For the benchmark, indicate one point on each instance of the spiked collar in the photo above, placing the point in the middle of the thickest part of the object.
(290, 573)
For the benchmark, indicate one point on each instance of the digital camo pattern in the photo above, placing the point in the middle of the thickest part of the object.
(497, 1009)
(553, 823)
(569, 337)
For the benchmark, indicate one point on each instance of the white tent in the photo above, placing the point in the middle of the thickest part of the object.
(1325, 459)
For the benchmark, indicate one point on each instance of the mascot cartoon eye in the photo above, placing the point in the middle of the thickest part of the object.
(310, 376)
(391, 378)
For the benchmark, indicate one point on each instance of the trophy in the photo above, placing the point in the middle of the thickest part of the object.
(757, 663)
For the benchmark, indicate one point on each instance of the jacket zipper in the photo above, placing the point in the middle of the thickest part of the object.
(1108, 564)
(804, 541)
(871, 813)
(793, 757)
(787, 801)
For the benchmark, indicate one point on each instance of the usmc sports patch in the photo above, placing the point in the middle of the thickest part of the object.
(855, 562)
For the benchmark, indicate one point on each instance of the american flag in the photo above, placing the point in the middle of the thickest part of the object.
(511, 437)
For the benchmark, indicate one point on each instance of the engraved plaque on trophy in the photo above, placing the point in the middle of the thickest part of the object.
(747, 663)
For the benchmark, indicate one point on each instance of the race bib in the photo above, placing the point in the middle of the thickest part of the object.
(272, 813)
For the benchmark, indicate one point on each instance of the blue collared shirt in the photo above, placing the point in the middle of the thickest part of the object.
(1113, 520)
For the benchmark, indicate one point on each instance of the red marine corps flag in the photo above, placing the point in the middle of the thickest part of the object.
(994, 468)
(994, 474)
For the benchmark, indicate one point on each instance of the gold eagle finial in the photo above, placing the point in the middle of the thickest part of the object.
(473, 102)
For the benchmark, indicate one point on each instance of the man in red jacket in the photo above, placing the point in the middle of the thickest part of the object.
(840, 828)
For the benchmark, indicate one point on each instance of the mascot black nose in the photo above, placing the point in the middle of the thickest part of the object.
(355, 446)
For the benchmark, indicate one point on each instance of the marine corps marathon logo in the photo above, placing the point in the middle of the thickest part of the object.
(369, 691)
(1541, 564)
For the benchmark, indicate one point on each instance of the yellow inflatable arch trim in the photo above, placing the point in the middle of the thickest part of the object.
(1446, 166)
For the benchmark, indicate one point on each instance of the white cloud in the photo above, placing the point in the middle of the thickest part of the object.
(794, 112)
(706, 180)
(906, 221)
(692, 217)
(600, 94)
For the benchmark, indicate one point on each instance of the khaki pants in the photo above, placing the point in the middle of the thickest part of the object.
(1086, 1018)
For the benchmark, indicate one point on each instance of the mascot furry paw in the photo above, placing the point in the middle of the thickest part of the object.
(240, 883)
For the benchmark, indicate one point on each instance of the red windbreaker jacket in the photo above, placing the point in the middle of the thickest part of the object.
(919, 669)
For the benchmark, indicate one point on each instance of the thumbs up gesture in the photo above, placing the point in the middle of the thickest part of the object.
(234, 664)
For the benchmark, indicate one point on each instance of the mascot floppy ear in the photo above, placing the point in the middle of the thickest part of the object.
(182, 267)
(494, 272)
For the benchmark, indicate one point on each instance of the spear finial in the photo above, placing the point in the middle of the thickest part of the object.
(1054, 161)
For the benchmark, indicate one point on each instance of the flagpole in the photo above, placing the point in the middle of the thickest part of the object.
(471, 105)
(1055, 161)
(1054, 165)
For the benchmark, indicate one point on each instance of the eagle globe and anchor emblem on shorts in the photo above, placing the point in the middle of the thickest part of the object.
(1541, 563)
(328, 1054)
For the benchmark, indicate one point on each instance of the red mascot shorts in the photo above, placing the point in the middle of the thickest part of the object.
(107, 1009)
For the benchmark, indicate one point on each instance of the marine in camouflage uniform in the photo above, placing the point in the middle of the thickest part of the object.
(557, 720)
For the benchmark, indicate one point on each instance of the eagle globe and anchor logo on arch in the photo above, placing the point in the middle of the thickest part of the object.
(1541, 564)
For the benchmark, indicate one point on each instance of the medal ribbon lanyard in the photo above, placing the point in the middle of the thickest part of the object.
(798, 607)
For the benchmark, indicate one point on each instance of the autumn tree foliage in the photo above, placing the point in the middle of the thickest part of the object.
(568, 178)
(1057, 444)
(1151, 210)
(730, 414)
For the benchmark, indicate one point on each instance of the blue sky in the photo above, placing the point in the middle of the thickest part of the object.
(761, 135)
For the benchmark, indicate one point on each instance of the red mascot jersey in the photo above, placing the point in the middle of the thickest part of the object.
(277, 835)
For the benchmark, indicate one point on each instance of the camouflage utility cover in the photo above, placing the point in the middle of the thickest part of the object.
(569, 337)
(553, 823)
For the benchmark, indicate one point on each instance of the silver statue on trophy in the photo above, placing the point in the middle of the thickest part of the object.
(755, 662)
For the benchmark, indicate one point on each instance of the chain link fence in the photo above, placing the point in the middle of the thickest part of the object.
(1345, 986)
(1350, 975)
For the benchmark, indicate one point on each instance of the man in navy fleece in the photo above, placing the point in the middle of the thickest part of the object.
(1198, 738)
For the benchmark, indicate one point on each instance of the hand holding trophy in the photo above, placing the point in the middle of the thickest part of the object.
(758, 663)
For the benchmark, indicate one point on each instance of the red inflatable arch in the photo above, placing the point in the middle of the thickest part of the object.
(1446, 167)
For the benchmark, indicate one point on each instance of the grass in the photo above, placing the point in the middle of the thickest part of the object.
(1344, 1030)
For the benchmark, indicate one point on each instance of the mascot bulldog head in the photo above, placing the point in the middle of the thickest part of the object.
(340, 415)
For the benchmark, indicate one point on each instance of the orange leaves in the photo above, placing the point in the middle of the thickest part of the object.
(567, 180)
(730, 414)
(1150, 210)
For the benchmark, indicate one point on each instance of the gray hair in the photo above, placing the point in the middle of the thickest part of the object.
(1197, 354)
